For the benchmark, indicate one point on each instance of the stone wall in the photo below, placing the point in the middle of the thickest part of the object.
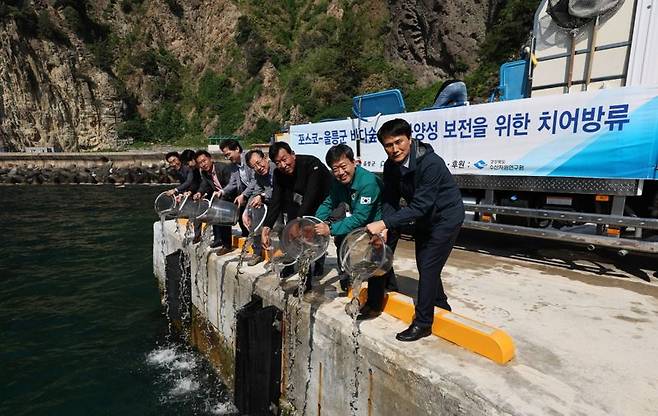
(87, 168)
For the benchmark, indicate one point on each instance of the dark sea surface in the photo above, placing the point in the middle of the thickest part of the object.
(82, 331)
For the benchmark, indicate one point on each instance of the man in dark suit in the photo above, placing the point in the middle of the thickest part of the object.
(301, 183)
(186, 173)
(434, 209)
(214, 177)
(179, 170)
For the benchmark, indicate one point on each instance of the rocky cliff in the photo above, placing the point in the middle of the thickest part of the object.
(51, 95)
(439, 38)
(83, 75)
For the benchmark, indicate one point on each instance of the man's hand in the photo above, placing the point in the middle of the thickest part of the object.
(294, 230)
(170, 192)
(256, 201)
(322, 229)
(376, 227)
(378, 240)
(239, 200)
(265, 238)
(218, 194)
(196, 196)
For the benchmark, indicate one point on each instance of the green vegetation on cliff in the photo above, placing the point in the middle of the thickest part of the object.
(324, 52)
(512, 26)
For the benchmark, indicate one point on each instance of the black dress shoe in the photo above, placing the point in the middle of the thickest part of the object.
(413, 333)
(367, 313)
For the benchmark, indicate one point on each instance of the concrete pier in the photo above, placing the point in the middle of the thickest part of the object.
(585, 346)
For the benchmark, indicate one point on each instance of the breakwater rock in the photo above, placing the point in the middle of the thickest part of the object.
(106, 174)
(83, 168)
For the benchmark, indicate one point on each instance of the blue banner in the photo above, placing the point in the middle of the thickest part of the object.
(610, 133)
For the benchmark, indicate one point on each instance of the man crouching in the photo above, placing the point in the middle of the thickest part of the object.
(353, 201)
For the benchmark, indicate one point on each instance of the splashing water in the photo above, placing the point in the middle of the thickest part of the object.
(294, 341)
(187, 380)
(161, 356)
(356, 331)
(243, 254)
(184, 386)
(352, 309)
(223, 409)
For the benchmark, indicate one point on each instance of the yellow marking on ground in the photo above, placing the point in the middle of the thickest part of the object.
(483, 339)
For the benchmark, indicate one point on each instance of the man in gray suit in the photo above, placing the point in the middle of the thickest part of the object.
(215, 177)
(242, 181)
(259, 194)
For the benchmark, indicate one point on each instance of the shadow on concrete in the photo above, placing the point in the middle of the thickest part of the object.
(604, 262)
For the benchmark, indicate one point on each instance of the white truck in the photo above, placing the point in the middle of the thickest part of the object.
(570, 152)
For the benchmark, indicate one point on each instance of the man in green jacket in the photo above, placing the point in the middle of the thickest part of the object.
(354, 201)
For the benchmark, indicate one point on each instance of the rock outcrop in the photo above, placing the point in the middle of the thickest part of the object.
(54, 94)
(439, 38)
(50, 95)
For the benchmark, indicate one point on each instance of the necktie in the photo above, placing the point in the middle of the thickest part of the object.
(215, 180)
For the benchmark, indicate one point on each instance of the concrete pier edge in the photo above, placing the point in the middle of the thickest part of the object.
(556, 371)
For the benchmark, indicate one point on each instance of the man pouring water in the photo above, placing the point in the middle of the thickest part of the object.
(354, 200)
(260, 194)
(301, 183)
(214, 177)
(434, 212)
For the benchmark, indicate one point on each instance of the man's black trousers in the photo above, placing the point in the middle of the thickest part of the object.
(432, 251)
(223, 235)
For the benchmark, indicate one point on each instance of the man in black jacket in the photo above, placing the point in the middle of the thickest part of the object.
(180, 170)
(301, 183)
(188, 158)
(214, 177)
(434, 208)
(186, 172)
